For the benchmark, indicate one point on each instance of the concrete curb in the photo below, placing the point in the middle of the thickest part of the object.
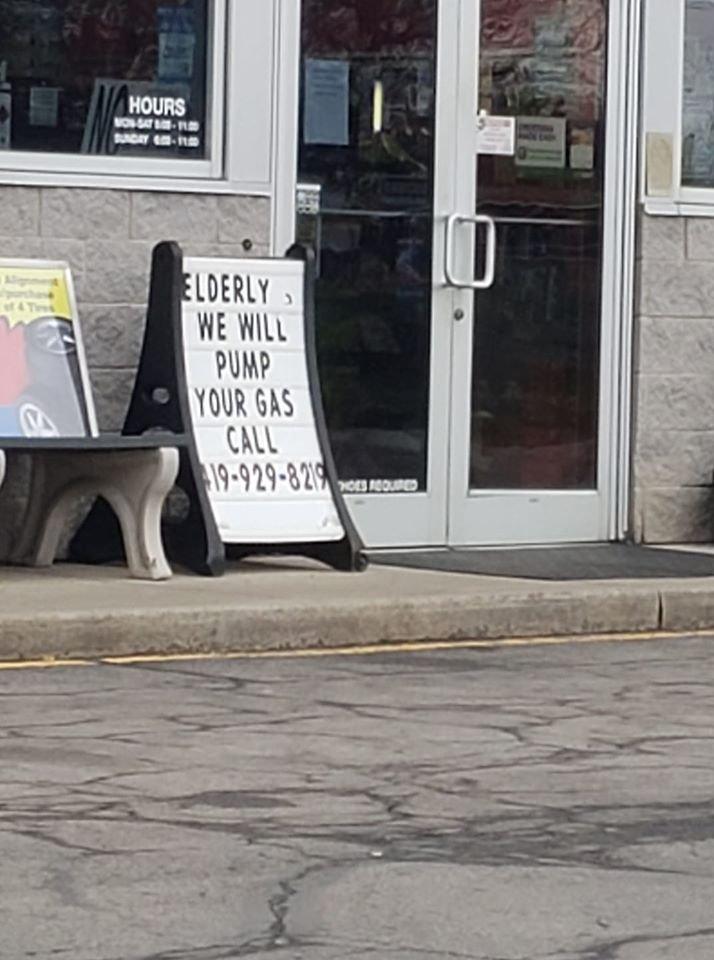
(687, 606)
(86, 613)
(94, 634)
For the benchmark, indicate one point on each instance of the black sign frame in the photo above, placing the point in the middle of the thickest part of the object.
(160, 401)
(347, 554)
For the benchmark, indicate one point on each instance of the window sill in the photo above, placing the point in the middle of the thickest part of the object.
(666, 207)
(28, 178)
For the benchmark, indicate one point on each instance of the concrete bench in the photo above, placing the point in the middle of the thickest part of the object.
(47, 414)
(134, 475)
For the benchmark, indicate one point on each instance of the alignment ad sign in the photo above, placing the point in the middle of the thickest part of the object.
(42, 391)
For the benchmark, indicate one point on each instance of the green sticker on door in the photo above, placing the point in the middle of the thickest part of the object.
(540, 142)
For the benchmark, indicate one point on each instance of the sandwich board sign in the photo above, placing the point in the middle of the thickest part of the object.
(256, 409)
(44, 384)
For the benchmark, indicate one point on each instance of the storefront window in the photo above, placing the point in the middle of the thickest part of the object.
(104, 77)
(698, 105)
(678, 107)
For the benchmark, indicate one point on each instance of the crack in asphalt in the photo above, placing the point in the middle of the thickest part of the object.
(295, 781)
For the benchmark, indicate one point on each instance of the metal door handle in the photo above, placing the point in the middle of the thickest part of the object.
(455, 220)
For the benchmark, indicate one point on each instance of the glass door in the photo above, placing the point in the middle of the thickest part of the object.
(529, 447)
(455, 172)
(378, 93)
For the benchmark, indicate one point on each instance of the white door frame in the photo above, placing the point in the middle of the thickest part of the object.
(503, 517)
(421, 519)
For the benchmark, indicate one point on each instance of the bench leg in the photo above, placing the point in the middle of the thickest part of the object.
(135, 483)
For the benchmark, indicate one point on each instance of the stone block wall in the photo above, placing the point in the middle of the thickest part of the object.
(107, 237)
(674, 381)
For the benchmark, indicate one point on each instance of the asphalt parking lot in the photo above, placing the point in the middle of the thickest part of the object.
(545, 801)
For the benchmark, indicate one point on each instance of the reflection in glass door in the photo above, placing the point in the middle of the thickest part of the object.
(461, 417)
(533, 466)
(535, 395)
(367, 143)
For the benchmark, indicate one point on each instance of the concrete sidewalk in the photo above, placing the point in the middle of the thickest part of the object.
(71, 611)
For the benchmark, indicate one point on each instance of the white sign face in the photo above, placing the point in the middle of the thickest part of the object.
(496, 136)
(249, 393)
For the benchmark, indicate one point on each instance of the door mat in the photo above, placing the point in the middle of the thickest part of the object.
(602, 561)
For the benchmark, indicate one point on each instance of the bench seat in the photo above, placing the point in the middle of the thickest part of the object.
(133, 474)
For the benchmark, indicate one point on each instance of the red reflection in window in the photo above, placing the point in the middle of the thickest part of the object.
(13, 365)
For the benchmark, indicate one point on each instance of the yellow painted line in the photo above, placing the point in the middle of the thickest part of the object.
(42, 664)
(367, 650)
(416, 646)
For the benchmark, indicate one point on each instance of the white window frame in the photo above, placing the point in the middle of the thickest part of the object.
(243, 39)
(285, 130)
(662, 119)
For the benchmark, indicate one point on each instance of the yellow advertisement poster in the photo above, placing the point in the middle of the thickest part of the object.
(29, 293)
(42, 386)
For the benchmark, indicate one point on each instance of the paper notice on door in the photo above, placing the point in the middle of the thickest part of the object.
(541, 142)
(44, 106)
(177, 44)
(496, 136)
(582, 148)
(582, 156)
(659, 152)
(327, 103)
